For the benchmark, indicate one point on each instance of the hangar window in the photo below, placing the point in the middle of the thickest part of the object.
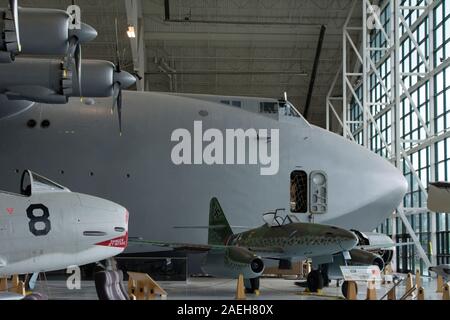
(299, 192)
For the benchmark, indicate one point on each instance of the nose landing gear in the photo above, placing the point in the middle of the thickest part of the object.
(251, 285)
(315, 281)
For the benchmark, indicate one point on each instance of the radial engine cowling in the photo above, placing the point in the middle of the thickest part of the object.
(362, 257)
(233, 262)
(53, 81)
(42, 32)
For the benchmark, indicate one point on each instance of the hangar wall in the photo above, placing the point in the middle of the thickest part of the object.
(396, 103)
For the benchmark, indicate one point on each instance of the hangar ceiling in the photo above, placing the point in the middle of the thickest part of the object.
(227, 47)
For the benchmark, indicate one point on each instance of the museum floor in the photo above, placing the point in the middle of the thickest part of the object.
(223, 289)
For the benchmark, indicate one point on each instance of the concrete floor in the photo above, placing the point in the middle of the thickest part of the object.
(224, 289)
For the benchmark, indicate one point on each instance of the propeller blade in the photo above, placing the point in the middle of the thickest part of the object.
(116, 90)
(77, 58)
(118, 66)
(119, 110)
(15, 12)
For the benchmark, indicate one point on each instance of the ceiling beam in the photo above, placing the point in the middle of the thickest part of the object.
(135, 19)
(235, 36)
(314, 71)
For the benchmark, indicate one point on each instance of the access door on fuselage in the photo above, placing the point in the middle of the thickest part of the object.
(308, 192)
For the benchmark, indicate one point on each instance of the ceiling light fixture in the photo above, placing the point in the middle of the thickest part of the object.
(131, 32)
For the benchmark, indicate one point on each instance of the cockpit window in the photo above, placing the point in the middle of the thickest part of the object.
(274, 220)
(33, 183)
(290, 219)
(237, 104)
(44, 183)
(288, 110)
(268, 107)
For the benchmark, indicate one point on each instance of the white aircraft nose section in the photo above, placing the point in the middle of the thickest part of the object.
(373, 186)
(104, 228)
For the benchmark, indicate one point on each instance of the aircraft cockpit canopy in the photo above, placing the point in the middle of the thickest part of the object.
(273, 219)
(32, 183)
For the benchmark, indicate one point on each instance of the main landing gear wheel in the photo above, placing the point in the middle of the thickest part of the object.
(251, 285)
(326, 279)
(345, 288)
(315, 281)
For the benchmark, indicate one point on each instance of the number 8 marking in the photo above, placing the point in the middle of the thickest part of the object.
(39, 219)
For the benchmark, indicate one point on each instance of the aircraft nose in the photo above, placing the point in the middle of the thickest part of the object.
(371, 185)
(385, 184)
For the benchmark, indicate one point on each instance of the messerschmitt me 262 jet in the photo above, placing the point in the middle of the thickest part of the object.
(321, 177)
(230, 255)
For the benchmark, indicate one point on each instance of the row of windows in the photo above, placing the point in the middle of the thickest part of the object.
(411, 127)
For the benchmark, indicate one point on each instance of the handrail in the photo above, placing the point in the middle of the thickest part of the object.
(409, 292)
(393, 288)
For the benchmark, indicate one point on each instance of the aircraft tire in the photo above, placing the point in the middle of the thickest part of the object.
(326, 279)
(252, 285)
(315, 281)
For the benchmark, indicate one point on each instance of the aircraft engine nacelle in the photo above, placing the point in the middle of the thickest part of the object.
(366, 258)
(53, 81)
(384, 244)
(42, 32)
(233, 262)
(99, 77)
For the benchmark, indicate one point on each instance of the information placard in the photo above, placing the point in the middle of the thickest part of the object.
(362, 273)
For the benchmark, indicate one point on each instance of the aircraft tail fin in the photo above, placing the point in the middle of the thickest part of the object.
(219, 228)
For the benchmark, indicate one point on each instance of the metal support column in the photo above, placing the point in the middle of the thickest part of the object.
(357, 94)
(136, 20)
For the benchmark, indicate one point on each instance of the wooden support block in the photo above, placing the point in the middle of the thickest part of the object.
(131, 287)
(388, 270)
(15, 281)
(418, 279)
(420, 294)
(3, 284)
(392, 295)
(20, 288)
(240, 290)
(440, 284)
(351, 291)
(409, 282)
(371, 290)
(140, 292)
(143, 287)
(446, 294)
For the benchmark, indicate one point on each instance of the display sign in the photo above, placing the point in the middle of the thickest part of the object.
(361, 273)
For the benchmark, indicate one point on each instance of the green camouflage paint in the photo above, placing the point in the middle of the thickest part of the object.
(219, 228)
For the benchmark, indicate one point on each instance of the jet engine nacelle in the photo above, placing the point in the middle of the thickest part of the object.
(53, 81)
(42, 32)
(362, 257)
(378, 243)
(233, 262)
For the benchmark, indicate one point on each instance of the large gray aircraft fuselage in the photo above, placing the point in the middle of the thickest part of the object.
(82, 149)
